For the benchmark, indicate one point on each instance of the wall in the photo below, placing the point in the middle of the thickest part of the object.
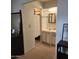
(16, 5)
(62, 17)
(37, 25)
(30, 23)
(15, 21)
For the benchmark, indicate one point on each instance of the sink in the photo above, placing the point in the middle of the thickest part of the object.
(49, 30)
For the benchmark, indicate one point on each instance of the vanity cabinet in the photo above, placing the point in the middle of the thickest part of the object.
(48, 37)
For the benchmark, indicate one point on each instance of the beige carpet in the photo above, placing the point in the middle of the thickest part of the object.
(41, 51)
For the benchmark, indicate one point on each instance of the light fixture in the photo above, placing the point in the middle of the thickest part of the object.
(37, 11)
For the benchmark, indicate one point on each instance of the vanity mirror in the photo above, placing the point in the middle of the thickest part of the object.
(51, 18)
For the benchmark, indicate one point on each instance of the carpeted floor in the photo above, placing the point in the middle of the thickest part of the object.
(41, 51)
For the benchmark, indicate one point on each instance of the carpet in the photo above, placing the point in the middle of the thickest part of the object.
(41, 51)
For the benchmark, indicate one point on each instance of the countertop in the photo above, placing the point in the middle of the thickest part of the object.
(47, 30)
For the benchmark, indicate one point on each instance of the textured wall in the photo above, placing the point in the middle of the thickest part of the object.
(62, 17)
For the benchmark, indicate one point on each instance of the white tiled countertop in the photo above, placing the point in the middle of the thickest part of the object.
(47, 30)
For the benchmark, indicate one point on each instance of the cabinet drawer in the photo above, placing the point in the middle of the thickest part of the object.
(48, 37)
(53, 41)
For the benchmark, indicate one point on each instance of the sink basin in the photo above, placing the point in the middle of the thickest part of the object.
(49, 30)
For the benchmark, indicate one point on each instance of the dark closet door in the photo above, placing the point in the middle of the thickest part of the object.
(17, 44)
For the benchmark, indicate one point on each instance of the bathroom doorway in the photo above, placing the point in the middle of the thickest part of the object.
(47, 23)
(47, 37)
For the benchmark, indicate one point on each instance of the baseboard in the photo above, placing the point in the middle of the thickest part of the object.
(29, 49)
(16, 56)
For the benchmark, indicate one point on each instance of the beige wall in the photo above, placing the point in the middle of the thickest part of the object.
(30, 24)
(16, 5)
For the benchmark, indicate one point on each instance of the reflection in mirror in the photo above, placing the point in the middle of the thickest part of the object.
(52, 18)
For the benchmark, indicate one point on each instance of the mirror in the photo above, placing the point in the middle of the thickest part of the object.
(52, 18)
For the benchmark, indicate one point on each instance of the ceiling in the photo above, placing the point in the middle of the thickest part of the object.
(43, 0)
(16, 4)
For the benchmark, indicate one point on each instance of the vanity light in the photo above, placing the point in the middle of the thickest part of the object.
(37, 11)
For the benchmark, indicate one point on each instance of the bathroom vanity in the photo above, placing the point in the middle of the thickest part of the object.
(48, 28)
(48, 36)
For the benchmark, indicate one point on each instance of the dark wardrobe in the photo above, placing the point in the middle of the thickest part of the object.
(17, 44)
